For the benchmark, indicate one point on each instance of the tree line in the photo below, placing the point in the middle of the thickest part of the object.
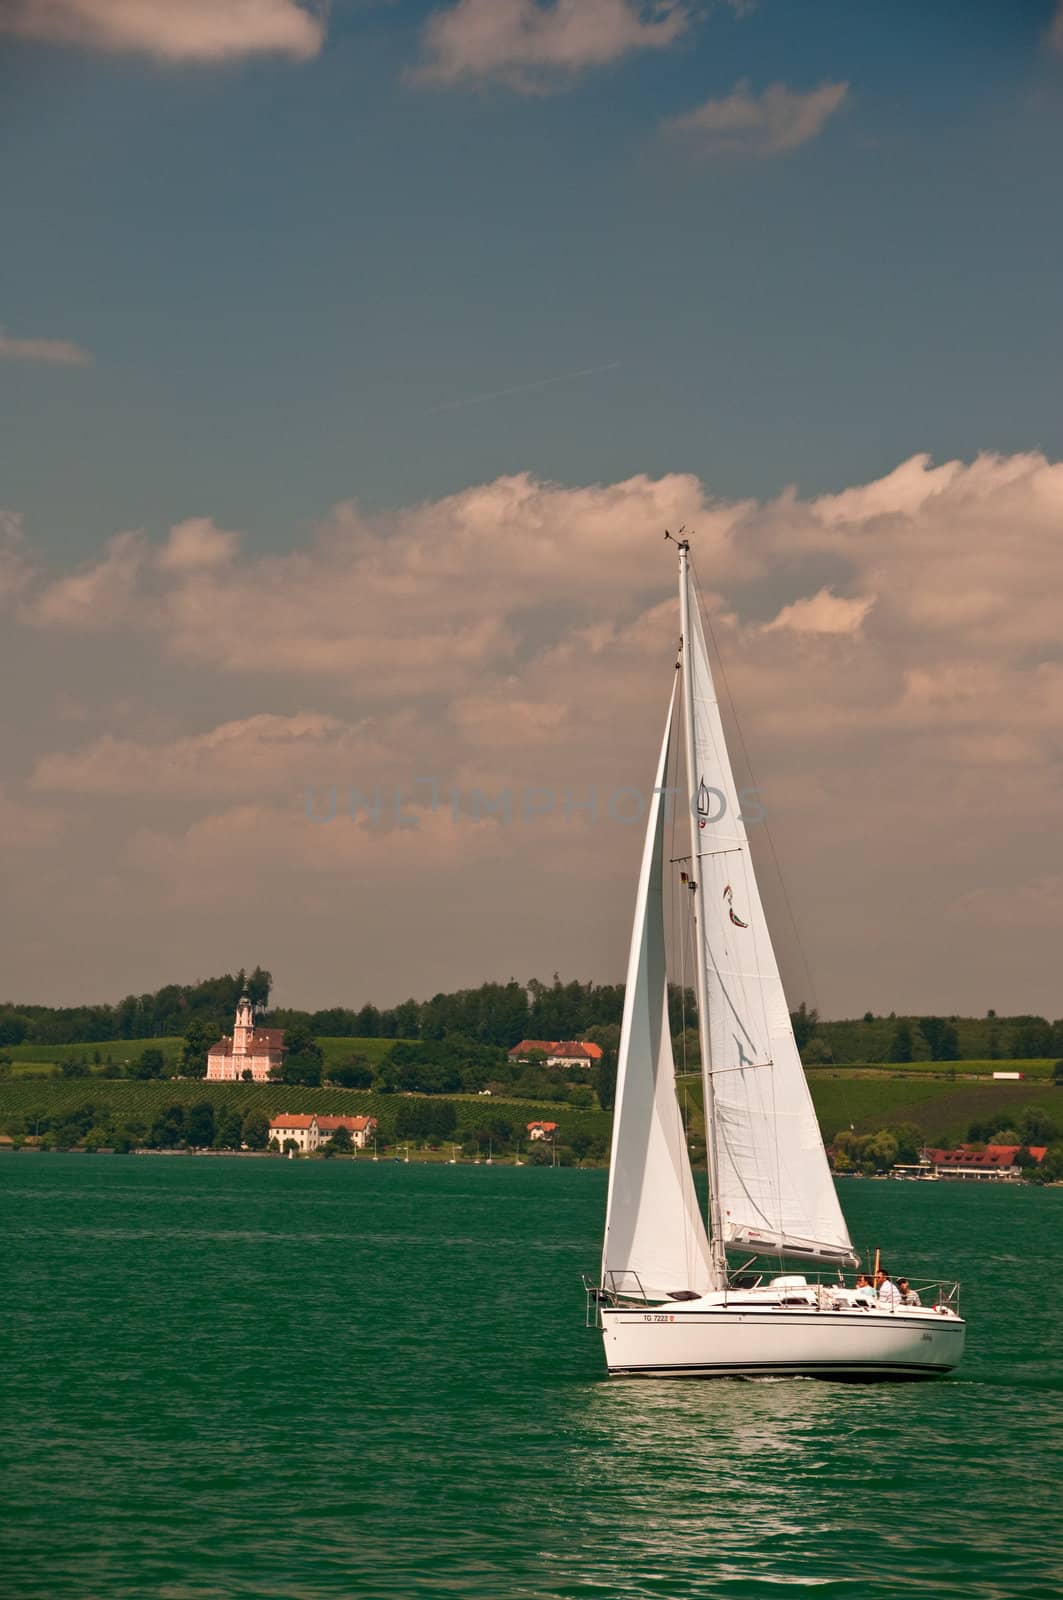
(499, 1015)
(1032, 1126)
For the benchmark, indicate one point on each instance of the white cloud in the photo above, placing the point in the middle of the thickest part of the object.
(893, 649)
(824, 612)
(97, 597)
(384, 606)
(196, 545)
(51, 352)
(200, 864)
(250, 756)
(27, 824)
(16, 567)
(744, 123)
(172, 30)
(533, 45)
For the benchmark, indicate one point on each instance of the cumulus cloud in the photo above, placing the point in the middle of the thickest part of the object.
(50, 352)
(534, 45)
(28, 825)
(745, 123)
(197, 544)
(100, 595)
(16, 564)
(384, 605)
(892, 649)
(172, 30)
(249, 756)
(197, 865)
(824, 612)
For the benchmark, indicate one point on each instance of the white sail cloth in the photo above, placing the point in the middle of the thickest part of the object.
(655, 1239)
(772, 1179)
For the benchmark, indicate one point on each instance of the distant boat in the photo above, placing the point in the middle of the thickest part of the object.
(668, 1301)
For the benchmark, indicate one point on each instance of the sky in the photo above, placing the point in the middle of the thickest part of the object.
(353, 359)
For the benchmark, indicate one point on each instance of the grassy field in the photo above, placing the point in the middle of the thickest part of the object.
(1040, 1071)
(127, 1100)
(336, 1050)
(119, 1050)
(853, 1040)
(943, 1110)
(44, 1060)
(868, 1100)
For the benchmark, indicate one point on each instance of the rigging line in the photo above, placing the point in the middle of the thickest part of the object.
(707, 619)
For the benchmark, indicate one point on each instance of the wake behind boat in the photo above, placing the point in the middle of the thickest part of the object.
(667, 1301)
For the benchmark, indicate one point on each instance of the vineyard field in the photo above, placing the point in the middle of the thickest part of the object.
(129, 1100)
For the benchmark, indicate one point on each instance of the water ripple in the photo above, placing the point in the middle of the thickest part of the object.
(295, 1381)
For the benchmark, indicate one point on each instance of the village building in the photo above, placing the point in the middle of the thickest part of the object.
(361, 1129)
(300, 1130)
(248, 1054)
(541, 1130)
(558, 1052)
(308, 1132)
(992, 1163)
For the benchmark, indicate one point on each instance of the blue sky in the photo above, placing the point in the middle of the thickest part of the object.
(351, 362)
(282, 268)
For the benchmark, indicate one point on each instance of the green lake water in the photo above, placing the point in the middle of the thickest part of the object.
(303, 1380)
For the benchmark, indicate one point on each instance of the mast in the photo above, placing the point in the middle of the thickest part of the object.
(719, 1256)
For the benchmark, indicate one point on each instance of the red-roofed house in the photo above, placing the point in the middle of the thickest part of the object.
(300, 1129)
(574, 1053)
(530, 1047)
(361, 1129)
(995, 1162)
(559, 1052)
(541, 1130)
(249, 1052)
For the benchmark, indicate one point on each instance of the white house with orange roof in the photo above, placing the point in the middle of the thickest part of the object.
(302, 1130)
(361, 1129)
(541, 1130)
(558, 1052)
(247, 1054)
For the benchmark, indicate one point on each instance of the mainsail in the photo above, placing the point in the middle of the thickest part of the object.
(655, 1239)
(772, 1185)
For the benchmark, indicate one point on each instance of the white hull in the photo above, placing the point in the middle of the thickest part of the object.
(671, 1341)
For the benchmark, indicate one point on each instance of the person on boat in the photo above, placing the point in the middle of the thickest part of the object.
(888, 1293)
(907, 1293)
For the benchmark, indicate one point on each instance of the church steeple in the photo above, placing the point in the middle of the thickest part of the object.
(244, 1026)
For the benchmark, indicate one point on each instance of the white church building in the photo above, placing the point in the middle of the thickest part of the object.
(248, 1052)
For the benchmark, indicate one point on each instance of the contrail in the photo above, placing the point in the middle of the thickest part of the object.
(525, 388)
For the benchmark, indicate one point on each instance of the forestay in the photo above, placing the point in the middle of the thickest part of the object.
(655, 1238)
(772, 1180)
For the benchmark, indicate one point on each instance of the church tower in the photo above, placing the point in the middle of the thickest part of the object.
(243, 1028)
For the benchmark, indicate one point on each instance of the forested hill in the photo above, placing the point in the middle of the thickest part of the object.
(500, 1014)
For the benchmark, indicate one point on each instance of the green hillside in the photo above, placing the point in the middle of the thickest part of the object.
(1040, 1070)
(869, 1038)
(43, 1060)
(126, 1100)
(940, 1108)
(867, 1100)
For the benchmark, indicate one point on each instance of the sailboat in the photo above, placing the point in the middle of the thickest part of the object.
(687, 1294)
